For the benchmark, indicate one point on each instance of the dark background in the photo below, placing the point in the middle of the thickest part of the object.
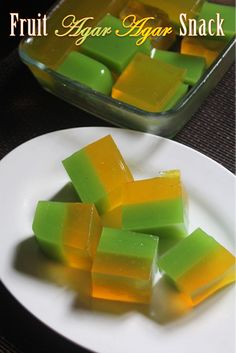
(27, 111)
(26, 9)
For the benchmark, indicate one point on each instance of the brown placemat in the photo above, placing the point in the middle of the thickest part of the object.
(212, 129)
(27, 111)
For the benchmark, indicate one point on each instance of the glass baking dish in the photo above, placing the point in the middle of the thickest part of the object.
(165, 124)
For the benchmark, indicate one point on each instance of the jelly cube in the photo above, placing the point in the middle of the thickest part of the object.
(194, 65)
(199, 266)
(161, 20)
(113, 51)
(87, 71)
(52, 49)
(98, 171)
(227, 13)
(206, 48)
(148, 84)
(124, 266)
(68, 232)
(175, 7)
(156, 206)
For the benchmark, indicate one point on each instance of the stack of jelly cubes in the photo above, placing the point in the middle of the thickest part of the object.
(123, 230)
(153, 76)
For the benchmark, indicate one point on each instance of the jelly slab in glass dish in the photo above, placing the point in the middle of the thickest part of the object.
(44, 67)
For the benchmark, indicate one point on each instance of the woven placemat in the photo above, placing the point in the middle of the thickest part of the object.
(28, 111)
(212, 129)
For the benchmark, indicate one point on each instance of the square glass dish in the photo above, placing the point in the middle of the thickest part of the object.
(43, 55)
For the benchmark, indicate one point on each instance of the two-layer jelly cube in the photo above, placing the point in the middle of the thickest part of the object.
(199, 266)
(124, 266)
(156, 206)
(68, 232)
(98, 171)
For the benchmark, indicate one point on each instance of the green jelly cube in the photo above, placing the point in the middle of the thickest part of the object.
(124, 266)
(227, 13)
(113, 51)
(194, 65)
(198, 266)
(87, 71)
(68, 232)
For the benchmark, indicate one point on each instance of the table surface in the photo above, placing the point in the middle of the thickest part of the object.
(28, 111)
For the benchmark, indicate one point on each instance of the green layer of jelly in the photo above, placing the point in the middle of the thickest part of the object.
(126, 243)
(164, 218)
(48, 227)
(84, 177)
(187, 253)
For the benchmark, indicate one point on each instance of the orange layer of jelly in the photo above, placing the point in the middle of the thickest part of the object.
(110, 167)
(81, 234)
(121, 288)
(132, 267)
(156, 189)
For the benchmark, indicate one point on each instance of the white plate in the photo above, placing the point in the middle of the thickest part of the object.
(33, 171)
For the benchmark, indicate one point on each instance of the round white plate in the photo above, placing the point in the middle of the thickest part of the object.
(58, 297)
